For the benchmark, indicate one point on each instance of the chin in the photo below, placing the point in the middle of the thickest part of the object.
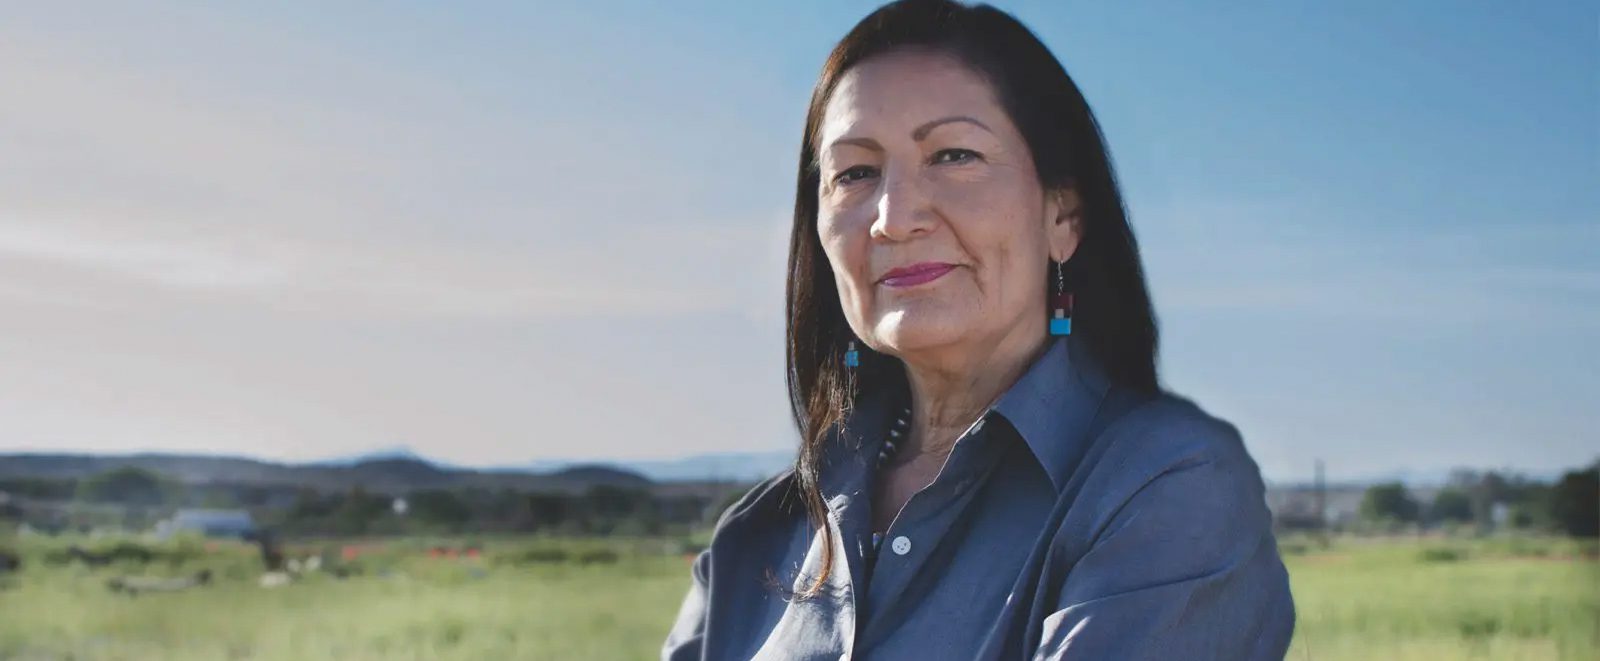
(903, 331)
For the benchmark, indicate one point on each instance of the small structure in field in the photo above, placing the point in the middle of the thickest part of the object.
(231, 524)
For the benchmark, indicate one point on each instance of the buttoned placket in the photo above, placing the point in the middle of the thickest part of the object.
(926, 516)
(916, 533)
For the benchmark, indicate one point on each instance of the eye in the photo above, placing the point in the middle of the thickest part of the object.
(854, 174)
(955, 155)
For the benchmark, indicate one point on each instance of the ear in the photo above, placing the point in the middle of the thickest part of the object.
(1063, 221)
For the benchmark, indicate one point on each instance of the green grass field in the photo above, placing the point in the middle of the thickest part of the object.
(1446, 599)
(1389, 599)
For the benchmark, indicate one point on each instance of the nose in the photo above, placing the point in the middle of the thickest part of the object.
(904, 210)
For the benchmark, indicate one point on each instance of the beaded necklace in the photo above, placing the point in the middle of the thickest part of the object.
(891, 445)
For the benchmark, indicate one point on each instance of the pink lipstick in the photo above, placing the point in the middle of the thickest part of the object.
(915, 274)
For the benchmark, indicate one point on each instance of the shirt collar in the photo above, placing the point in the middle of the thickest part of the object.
(1053, 404)
(1050, 407)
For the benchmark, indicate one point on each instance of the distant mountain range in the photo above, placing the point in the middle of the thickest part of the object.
(380, 454)
(717, 467)
(1415, 478)
(710, 467)
(400, 468)
(755, 466)
(389, 473)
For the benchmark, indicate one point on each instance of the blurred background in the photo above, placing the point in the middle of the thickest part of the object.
(445, 330)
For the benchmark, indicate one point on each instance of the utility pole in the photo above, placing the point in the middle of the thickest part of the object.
(1322, 505)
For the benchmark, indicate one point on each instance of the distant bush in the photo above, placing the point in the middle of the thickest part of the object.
(123, 552)
(538, 555)
(598, 556)
(535, 556)
(1477, 626)
(1442, 554)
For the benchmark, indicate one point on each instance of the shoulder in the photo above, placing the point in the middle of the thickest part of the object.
(1169, 536)
(762, 500)
(1169, 454)
(1168, 433)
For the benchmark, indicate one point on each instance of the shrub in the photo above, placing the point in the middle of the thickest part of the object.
(1442, 554)
(598, 556)
(534, 556)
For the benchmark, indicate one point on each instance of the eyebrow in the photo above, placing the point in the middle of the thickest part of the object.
(918, 134)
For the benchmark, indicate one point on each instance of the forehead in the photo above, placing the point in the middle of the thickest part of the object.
(905, 88)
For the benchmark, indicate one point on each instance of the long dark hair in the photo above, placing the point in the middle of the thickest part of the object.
(1112, 311)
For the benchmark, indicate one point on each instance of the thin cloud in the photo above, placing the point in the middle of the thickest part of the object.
(154, 186)
(645, 275)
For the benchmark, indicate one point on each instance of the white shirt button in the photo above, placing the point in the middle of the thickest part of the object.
(901, 545)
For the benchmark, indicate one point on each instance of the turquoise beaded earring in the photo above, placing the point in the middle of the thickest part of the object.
(852, 358)
(1061, 302)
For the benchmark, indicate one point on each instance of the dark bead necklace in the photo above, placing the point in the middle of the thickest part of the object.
(891, 445)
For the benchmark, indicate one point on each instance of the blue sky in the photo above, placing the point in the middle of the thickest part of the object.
(499, 233)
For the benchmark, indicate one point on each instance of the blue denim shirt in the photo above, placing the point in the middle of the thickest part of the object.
(1072, 520)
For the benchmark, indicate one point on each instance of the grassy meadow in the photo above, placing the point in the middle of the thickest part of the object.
(1403, 599)
(590, 599)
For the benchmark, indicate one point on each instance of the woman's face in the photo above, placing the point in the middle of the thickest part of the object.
(930, 211)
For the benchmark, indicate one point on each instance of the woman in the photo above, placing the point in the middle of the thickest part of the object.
(988, 467)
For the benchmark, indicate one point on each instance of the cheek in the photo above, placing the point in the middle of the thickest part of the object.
(844, 242)
(1002, 232)
(993, 222)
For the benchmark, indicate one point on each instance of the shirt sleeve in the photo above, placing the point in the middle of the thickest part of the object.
(687, 637)
(1187, 568)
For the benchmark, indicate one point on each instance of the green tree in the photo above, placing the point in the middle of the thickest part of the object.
(551, 510)
(309, 505)
(1451, 505)
(40, 488)
(1575, 502)
(1531, 510)
(439, 507)
(359, 509)
(127, 486)
(1492, 489)
(612, 502)
(1389, 502)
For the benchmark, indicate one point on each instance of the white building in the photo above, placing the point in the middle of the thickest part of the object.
(236, 524)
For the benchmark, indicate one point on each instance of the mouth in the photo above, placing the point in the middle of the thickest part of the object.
(915, 274)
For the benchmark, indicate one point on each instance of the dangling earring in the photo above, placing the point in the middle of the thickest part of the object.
(852, 358)
(1061, 320)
